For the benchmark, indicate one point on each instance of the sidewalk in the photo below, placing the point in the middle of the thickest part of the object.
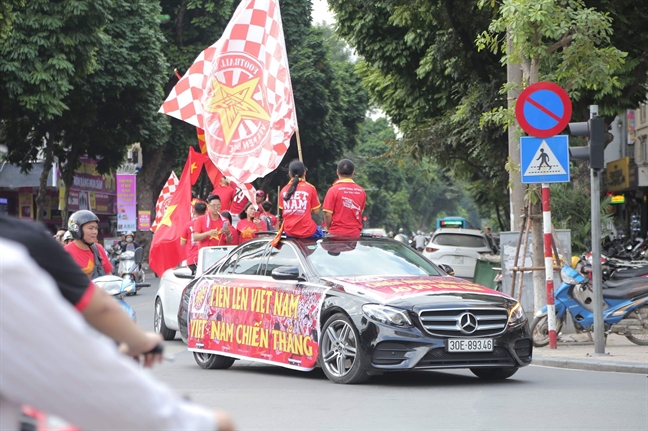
(621, 355)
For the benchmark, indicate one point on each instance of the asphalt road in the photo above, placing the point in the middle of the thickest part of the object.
(262, 397)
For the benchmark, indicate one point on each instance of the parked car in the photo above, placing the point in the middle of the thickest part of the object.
(355, 307)
(173, 281)
(459, 248)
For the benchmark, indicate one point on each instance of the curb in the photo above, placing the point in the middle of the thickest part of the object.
(592, 365)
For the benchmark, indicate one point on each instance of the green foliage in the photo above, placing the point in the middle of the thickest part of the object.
(403, 192)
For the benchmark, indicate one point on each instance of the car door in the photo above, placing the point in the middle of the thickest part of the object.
(244, 312)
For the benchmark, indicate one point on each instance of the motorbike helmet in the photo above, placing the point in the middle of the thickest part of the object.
(67, 236)
(77, 220)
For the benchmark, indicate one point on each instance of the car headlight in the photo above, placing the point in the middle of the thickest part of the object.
(387, 315)
(516, 315)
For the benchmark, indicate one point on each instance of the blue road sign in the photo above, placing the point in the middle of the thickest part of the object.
(543, 109)
(544, 160)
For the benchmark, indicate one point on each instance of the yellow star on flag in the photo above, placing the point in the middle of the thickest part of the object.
(167, 215)
(234, 104)
(193, 167)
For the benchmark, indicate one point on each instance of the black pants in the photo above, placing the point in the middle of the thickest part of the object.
(192, 267)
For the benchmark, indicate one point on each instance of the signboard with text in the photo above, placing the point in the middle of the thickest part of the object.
(126, 202)
(144, 220)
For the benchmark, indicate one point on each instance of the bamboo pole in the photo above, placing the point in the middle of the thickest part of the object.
(517, 250)
(524, 252)
(299, 150)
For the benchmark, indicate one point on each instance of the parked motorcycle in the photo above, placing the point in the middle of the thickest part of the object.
(130, 267)
(625, 308)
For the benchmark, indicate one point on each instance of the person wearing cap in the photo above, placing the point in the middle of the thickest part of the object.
(344, 203)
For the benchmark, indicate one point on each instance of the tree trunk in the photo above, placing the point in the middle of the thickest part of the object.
(67, 174)
(155, 171)
(514, 75)
(42, 185)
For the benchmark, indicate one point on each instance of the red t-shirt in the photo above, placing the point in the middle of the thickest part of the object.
(204, 223)
(86, 258)
(247, 230)
(226, 194)
(298, 222)
(239, 202)
(192, 246)
(346, 201)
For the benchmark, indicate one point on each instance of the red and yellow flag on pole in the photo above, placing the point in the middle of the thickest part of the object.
(239, 92)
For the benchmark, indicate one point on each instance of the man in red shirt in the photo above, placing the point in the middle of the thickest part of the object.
(85, 250)
(212, 228)
(298, 200)
(239, 202)
(344, 203)
(187, 236)
(225, 192)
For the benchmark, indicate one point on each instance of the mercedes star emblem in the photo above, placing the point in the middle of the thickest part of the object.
(468, 323)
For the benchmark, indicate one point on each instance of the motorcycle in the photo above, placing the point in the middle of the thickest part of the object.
(113, 255)
(118, 287)
(625, 308)
(130, 267)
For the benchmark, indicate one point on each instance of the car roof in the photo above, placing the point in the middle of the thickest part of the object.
(459, 231)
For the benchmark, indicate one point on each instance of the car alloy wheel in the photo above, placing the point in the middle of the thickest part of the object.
(157, 318)
(339, 353)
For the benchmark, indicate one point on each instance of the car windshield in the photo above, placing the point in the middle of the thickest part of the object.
(459, 240)
(356, 258)
(213, 255)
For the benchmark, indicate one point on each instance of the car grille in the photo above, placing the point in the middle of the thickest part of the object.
(440, 358)
(464, 322)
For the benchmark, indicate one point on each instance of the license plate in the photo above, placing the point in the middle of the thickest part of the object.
(470, 345)
(458, 260)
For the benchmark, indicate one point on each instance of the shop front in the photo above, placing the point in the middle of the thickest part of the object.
(628, 196)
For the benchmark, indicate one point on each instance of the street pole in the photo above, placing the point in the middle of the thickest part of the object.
(599, 335)
(548, 257)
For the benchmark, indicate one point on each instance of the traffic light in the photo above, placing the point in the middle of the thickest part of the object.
(594, 152)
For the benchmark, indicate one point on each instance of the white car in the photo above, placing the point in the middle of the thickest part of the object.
(173, 282)
(459, 248)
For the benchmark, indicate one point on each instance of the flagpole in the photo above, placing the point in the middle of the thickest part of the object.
(301, 159)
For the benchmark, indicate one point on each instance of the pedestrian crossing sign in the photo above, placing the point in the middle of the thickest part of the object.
(544, 160)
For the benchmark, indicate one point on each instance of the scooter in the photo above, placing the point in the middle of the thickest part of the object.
(130, 267)
(625, 308)
(118, 287)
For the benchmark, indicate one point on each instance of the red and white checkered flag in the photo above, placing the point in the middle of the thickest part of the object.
(238, 90)
(164, 198)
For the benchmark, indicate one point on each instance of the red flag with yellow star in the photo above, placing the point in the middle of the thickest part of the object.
(239, 92)
(166, 251)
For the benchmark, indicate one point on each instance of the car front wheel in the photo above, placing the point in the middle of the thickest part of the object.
(209, 361)
(158, 322)
(340, 352)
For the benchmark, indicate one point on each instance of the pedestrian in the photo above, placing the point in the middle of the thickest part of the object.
(249, 223)
(40, 331)
(187, 237)
(85, 249)
(98, 308)
(419, 241)
(239, 202)
(212, 229)
(344, 203)
(299, 201)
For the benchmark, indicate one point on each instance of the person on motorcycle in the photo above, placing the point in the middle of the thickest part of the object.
(85, 250)
(67, 238)
(130, 244)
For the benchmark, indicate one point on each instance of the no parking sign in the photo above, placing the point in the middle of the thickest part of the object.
(543, 109)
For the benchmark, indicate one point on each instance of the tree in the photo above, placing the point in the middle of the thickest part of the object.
(50, 50)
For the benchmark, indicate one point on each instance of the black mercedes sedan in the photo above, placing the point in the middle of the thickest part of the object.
(355, 307)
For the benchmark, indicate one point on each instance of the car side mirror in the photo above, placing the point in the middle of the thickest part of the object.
(446, 268)
(183, 273)
(287, 273)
